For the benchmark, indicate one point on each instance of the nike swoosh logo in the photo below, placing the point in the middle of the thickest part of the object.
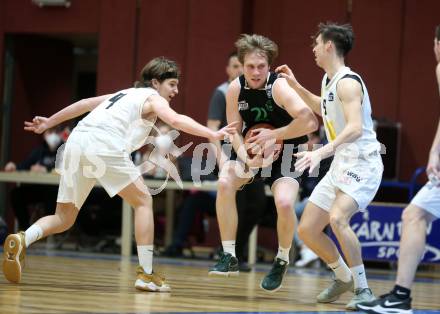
(400, 292)
(388, 303)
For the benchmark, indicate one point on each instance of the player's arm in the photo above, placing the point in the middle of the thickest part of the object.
(304, 121)
(233, 115)
(181, 122)
(41, 124)
(313, 101)
(350, 93)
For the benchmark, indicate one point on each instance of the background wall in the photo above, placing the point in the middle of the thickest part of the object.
(393, 53)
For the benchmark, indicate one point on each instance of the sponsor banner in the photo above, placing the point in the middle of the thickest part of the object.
(379, 228)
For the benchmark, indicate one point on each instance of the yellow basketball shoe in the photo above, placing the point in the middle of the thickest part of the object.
(154, 282)
(13, 256)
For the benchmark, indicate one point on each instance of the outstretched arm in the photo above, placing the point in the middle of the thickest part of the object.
(313, 101)
(40, 124)
(181, 122)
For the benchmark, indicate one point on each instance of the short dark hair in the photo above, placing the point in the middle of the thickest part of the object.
(233, 54)
(437, 32)
(256, 43)
(341, 35)
(159, 68)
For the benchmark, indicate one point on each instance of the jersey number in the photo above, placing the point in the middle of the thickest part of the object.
(261, 114)
(324, 102)
(115, 99)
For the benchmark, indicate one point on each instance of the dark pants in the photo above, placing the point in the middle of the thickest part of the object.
(195, 201)
(32, 194)
(251, 204)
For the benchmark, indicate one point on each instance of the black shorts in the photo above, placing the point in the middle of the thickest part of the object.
(280, 168)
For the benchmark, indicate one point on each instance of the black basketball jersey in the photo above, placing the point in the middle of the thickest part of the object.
(258, 106)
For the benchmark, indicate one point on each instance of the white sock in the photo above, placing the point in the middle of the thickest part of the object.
(145, 254)
(359, 277)
(229, 247)
(341, 270)
(32, 234)
(283, 253)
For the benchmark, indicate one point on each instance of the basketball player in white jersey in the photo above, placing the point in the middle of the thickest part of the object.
(356, 171)
(423, 210)
(99, 149)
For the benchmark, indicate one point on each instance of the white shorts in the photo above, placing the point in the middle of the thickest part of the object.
(428, 198)
(81, 168)
(359, 178)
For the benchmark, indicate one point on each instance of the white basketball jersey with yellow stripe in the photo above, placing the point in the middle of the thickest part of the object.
(117, 123)
(333, 113)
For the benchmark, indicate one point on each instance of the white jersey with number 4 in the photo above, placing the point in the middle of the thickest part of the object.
(116, 124)
(333, 113)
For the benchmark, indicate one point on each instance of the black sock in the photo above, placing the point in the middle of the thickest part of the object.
(401, 292)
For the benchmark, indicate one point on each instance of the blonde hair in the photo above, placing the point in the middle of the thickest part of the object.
(256, 43)
(159, 68)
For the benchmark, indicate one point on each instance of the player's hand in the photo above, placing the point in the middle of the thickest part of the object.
(262, 136)
(433, 167)
(285, 72)
(225, 132)
(10, 167)
(38, 125)
(258, 161)
(306, 160)
(255, 162)
(38, 168)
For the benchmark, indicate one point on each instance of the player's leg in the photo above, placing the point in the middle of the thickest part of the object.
(137, 195)
(340, 214)
(312, 231)
(412, 246)
(15, 244)
(229, 182)
(285, 191)
(251, 204)
(412, 243)
(416, 217)
(73, 190)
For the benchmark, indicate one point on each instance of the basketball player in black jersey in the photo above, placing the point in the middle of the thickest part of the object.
(258, 96)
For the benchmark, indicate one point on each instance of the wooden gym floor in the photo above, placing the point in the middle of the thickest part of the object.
(70, 282)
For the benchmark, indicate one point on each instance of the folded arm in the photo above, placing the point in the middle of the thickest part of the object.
(350, 94)
(304, 121)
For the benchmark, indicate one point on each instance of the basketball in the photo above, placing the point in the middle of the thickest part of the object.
(269, 149)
